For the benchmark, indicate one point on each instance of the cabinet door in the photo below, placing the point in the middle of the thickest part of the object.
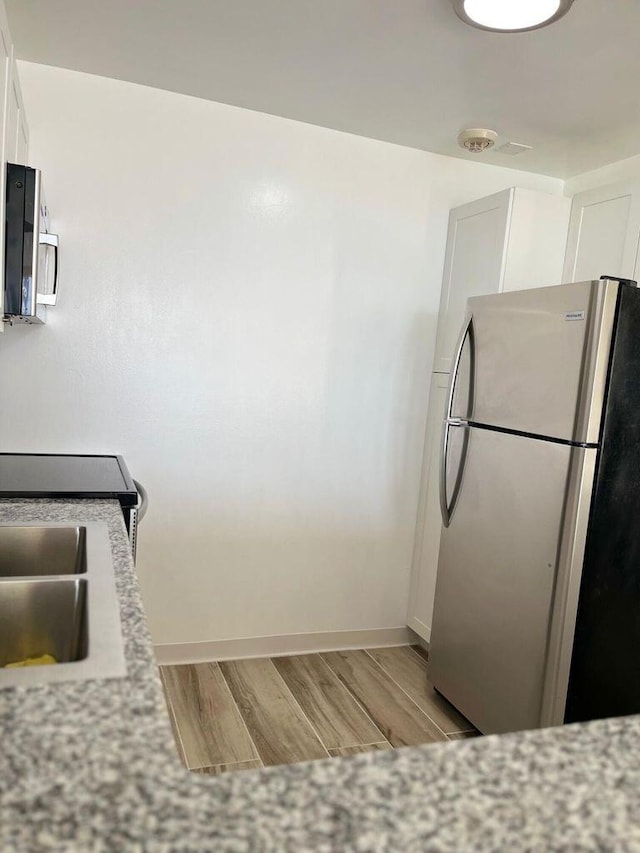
(474, 265)
(537, 240)
(5, 68)
(12, 115)
(22, 145)
(16, 131)
(603, 232)
(425, 558)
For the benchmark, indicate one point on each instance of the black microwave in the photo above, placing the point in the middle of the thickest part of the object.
(30, 251)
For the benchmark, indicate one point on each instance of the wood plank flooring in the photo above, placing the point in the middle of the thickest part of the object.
(332, 710)
(246, 714)
(400, 720)
(407, 670)
(363, 747)
(217, 769)
(199, 695)
(277, 726)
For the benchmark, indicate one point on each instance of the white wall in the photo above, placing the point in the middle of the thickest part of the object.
(247, 313)
(621, 170)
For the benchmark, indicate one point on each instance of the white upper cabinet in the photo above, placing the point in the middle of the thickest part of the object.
(5, 57)
(512, 240)
(473, 265)
(16, 132)
(5, 73)
(22, 143)
(603, 232)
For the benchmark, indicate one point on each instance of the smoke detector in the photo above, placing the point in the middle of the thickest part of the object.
(476, 139)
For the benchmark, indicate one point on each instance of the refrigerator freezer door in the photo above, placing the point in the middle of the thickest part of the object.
(496, 580)
(541, 357)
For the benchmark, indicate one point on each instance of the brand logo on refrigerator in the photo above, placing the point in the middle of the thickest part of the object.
(574, 315)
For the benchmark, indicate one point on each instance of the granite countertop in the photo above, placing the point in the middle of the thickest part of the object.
(91, 766)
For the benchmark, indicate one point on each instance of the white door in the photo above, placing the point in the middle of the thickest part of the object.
(425, 563)
(603, 232)
(474, 265)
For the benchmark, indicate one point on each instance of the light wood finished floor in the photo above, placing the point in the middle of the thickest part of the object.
(246, 714)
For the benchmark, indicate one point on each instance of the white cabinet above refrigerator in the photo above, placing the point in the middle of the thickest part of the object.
(603, 232)
(512, 240)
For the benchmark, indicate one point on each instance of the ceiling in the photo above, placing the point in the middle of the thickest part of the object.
(405, 71)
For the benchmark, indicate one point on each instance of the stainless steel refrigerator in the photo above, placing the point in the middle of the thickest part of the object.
(537, 606)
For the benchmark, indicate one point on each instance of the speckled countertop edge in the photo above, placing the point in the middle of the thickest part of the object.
(92, 766)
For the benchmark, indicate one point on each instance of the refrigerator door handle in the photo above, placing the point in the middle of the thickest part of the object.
(446, 507)
(467, 332)
(444, 504)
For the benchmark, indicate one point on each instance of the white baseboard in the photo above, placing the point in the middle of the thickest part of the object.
(275, 646)
(421, 628)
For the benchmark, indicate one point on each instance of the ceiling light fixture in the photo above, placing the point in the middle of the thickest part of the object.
(510, 16)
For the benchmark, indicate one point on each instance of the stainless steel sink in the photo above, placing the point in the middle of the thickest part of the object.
(58, 597)
(41, 550)
(43, 617)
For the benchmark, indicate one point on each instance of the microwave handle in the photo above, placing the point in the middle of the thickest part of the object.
(144, 500)
(50, 240)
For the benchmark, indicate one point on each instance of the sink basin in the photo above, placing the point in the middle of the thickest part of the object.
(43, 617)
(29, 550)
(58, 597)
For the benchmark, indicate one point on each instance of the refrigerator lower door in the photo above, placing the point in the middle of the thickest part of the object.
(496, 580)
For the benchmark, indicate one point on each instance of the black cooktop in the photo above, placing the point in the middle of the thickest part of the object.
(51, 475)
